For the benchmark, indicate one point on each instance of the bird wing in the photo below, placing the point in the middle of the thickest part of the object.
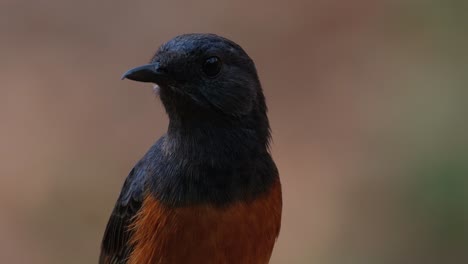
(115, 248)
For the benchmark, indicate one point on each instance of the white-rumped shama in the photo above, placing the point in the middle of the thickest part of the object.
(208, 190)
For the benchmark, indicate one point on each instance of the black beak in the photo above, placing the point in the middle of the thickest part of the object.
(146, 73)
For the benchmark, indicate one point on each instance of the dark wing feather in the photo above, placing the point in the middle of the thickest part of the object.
(115, 248)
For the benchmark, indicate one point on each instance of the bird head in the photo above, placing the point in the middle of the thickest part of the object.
(203, 73)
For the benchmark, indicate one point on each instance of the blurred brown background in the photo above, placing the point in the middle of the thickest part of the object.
(368, 105)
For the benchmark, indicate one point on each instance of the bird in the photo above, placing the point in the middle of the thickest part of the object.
(208, 191)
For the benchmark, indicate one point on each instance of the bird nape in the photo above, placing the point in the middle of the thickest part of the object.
(208, 190)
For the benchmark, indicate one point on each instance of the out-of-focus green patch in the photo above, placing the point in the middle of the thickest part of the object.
(438, 203)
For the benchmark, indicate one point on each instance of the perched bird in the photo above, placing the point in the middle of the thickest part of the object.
(208, 190)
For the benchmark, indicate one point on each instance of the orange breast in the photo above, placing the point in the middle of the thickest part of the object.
(244, 232)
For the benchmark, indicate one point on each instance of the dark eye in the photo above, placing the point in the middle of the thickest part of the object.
(212, 66)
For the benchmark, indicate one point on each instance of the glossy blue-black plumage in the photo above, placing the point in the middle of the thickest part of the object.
(216, 148)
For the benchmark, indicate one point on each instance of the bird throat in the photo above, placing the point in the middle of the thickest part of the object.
(209, 163)
(209, 157)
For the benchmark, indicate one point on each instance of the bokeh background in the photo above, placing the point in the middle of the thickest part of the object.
(368, 105)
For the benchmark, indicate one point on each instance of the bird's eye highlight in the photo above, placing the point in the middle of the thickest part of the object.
(212, 66)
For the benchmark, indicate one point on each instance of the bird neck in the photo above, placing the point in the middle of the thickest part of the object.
(212, 158)
(216, 141)
(211, 163)
(194, 128)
